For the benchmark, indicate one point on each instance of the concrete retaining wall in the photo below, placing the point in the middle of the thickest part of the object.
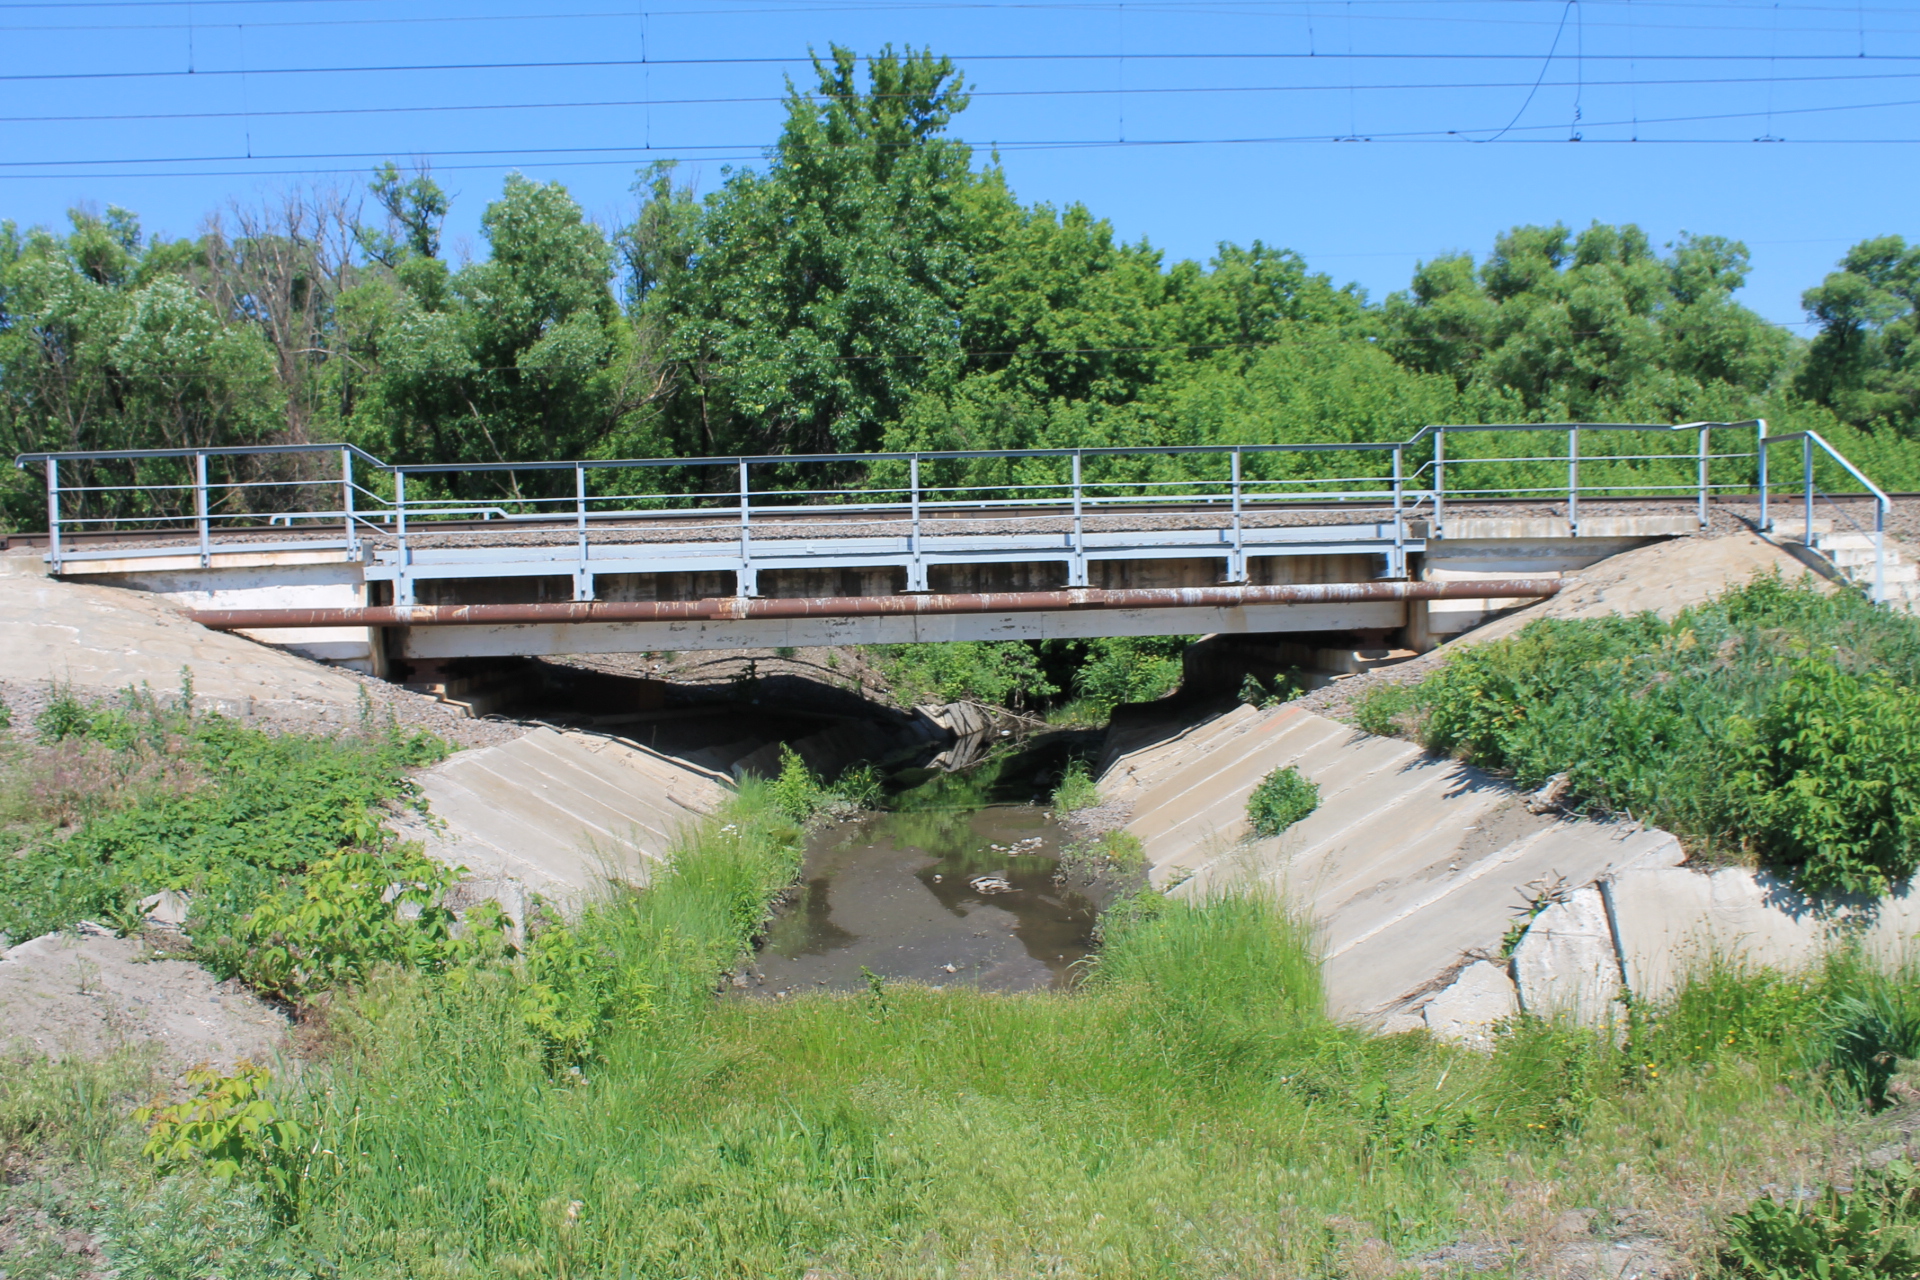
(1412, 865)
(560, 813)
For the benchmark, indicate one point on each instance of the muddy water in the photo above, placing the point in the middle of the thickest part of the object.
(959, 883)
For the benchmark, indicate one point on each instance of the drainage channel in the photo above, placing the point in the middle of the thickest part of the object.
(964, 879)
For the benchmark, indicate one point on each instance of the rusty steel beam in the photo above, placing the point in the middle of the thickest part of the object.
(735, 608)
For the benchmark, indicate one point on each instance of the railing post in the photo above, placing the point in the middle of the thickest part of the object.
(1077, 568)
(346, 504)
(1573, 481)
(200, 508)
(53, 514)
(1806, 467)
(403, 568)
(1439, 482)
(1704, 432)
(748, 583)
(1399, 565)
(1879, 551)
(1761, 449)
(1237, 565)
(916, 569)
(582, 575)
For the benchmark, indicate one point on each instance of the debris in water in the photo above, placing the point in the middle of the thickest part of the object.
(991, 884)
(947, 968)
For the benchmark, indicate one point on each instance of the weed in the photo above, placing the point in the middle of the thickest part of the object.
(1774, 718)
(204, 805)
(796, 792)
(1867, 1233)
(65, 716)
(1281, 799)
(1076, 789)
(1380, 709)
(232, 1130)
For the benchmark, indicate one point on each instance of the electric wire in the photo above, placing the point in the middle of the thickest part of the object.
(1407, 86)
(596, 63)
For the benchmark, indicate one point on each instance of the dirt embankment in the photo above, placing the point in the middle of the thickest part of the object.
(1664, 578)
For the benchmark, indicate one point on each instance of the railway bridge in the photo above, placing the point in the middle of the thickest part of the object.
(327, 550)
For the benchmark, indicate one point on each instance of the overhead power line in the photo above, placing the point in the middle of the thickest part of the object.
(1221, 8)
(588, 64)
(443, 107)
(883, 6)
(1457, 134)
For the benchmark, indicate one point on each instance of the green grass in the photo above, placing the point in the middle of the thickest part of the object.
(592, 1109)
(1189, 1111)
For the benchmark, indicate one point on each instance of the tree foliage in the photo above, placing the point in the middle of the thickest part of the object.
(873, 284)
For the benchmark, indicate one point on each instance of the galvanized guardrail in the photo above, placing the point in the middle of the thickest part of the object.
(400, 518)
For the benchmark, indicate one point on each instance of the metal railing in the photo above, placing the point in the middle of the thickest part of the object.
(210, 498)
(1813, 449)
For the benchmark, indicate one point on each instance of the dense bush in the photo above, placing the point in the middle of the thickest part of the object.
(1871, 1232)
(1281, 799)
(226, 812)
(1006, 674)
(1127, 669)
(1777, 718)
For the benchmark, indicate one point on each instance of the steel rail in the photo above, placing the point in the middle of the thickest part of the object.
(740, 608)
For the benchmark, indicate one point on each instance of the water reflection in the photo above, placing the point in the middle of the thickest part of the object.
(953, 885)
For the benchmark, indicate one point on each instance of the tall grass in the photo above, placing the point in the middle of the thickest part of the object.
(1189, 1111)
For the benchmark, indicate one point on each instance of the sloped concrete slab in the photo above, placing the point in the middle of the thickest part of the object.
(1410, 863)
(560, 812)
(1467, 1010)
(1672, 922)
(1565, 965)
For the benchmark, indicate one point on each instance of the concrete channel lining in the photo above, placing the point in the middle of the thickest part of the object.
(1412, 865)
(561, 812)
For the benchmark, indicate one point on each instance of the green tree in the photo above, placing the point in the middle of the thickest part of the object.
(521, 356)
(1554, 326)
(827, 288)
(1865, 363)
(106, 344)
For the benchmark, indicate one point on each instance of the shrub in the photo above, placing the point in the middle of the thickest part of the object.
(1831, 777)
(376, 902)
(1719, 725)
(232, 1129)
(1282, 799)
(998, 673)
(1126, 669)
(1379, 709)
(1076, 789)
(1869, 1232)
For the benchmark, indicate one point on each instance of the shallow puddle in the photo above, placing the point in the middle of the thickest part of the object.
(955, 885)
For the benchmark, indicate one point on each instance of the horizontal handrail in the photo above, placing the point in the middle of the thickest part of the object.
(1879, 493)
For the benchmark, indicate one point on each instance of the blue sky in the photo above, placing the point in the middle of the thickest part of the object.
(1366, 134)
